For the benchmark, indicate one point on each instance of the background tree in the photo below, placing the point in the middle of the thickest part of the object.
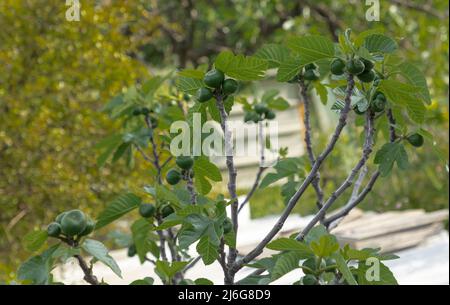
(55, 76)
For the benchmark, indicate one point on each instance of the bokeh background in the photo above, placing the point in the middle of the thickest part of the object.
(56, 75)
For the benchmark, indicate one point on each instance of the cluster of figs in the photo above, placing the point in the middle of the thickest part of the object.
(184, 164)
(71, 224)
(259, 112)
(365, 72)
(147, 113)
(216, 83)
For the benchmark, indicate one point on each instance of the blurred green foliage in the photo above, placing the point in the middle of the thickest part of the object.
(55, 75)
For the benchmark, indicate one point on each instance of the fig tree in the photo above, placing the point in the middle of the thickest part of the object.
(153, 122)
(311, 75)
(310, 66)
(59, 217)
(366, 76)
(73, 223)
(368, 65)
(337, 66)
(229, 86)
(204, 95)
(378, 104)
(147, 210)
(415, 139)
(166, 211)
(355, 66)
(309, 279)
(54, 229)
(184, 162)
(270, 115)
(251, 116)
(330, 262)
(173, 177)
(261, 108)
(227, 226)
(294, 79)
(311, 264)
(90, 226)
(131, 251)
(379, 95)
(357, 111)
(214, 78)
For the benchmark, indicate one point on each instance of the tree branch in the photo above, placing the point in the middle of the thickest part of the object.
(267, 29)
(88, 275)
(293, 201)
(358, 183)
(333, 23)
(231, 172)
(155, 160)
(367, 150)
(144, 155)
(222, 261)
(330, 225)
(151, 261)
(392, 124)
(162, 241)
(353, 203)
(190, 187)
(166, 162)
(191, 264)
(312, 159)
(172, 247)
(261, 169)
(424, 8)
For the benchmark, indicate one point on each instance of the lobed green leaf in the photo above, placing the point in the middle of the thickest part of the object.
(120, 206)
(100, 252)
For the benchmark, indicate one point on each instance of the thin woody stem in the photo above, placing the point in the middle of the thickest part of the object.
(367, 150)
(190, 187)
(358, 183)
(231, 172)
(361, 196)
(352, 204)
(355, 194)
(88, 275)
(155, 160)
(170, 238)
(261, 168)
(312, 159)
(392, 123)
(191, 264)
(166, 162)
(162, 241)
(172, 248)
(306, 182)
(144, 155)
(223, 263)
